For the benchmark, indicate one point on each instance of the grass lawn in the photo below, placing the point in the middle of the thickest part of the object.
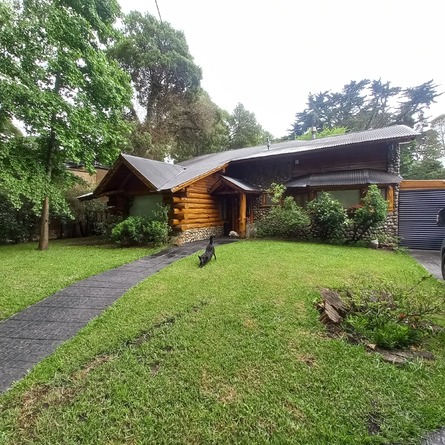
(28, 275)
(231, 354)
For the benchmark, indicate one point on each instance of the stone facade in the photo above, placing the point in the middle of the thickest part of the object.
(197, 234)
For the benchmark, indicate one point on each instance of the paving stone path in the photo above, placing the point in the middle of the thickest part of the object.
(34, 333)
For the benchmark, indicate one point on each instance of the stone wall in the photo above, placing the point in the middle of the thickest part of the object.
(197, 234)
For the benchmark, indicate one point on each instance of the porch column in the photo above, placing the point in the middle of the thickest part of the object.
(242, 215)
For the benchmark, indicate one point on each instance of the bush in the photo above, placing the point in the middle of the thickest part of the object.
(142, 230)
(328, 218)
(370, 216)
(16, 225)
(286, 220)
(393, 316)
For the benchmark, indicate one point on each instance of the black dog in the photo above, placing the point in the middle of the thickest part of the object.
(207, 255)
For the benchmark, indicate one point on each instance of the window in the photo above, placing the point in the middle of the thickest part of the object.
(348, 198)
(266, 200)
(145, 205)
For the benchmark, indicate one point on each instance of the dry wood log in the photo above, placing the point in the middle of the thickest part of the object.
(399, 357)
(333, 308)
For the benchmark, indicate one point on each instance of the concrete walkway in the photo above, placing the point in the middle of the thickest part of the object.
(34, 333)
(429, 259)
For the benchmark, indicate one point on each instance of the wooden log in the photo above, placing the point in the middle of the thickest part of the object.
(204, 188)
(188, 200)
(205, 209)
(398, 357)
(333, 309)
(198, 195)
(178, 221)
(200, 215)
(183, 227)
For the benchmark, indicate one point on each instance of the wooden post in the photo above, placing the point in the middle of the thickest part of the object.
(390, 198)
(242, 215)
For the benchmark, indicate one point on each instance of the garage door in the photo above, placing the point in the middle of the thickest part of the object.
(417, 218)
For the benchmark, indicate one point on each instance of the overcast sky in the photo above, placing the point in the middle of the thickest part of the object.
(269, 55)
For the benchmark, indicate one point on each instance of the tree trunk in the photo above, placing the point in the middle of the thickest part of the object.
(44, 225)
(51, 147)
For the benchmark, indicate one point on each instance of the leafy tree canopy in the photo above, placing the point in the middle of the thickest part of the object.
(178, 118)
(56, 79)
(365, 104)
(245, 131)
(322, 134)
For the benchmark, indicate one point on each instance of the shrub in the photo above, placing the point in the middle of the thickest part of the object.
(16, 225)
(393, 316)
(328, 218)
(371, 214)
(89, 216)
(142, 230)
(286, 219)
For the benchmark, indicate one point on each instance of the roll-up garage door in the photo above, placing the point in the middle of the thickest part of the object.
(417, 219)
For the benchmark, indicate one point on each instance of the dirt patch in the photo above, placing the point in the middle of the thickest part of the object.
(38, 399)
(90, 366)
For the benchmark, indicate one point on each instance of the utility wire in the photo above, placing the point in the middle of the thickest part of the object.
(159, 12)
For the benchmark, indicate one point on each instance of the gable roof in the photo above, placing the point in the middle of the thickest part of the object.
(235, 184)
(172, 177)
(156, 172)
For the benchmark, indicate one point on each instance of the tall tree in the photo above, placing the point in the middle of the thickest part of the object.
(57, 80)
(158, 60)
(245, 131)
(166, 82)
(365, 104)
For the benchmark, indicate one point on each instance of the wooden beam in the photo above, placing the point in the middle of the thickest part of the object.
(422, 184)
(242, 215)
(390, 198)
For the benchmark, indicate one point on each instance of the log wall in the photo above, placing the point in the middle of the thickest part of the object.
(193, 207)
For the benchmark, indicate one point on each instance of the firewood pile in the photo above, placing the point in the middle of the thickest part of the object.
(333, 311)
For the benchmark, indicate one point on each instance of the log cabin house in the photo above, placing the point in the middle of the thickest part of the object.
(219, 192)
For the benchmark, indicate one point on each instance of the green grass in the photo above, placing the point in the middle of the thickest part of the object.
(28, 275)
(231, 354)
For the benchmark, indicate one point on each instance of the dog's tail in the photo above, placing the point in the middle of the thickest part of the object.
(211, 239)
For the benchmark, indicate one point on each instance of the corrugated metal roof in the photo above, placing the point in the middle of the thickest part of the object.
(166, 176)
(241, 184)
(396, 132)
(199, 166)
(156, 172)
(350, 177)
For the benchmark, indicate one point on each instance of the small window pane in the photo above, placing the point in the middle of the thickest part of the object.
(348, 198)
